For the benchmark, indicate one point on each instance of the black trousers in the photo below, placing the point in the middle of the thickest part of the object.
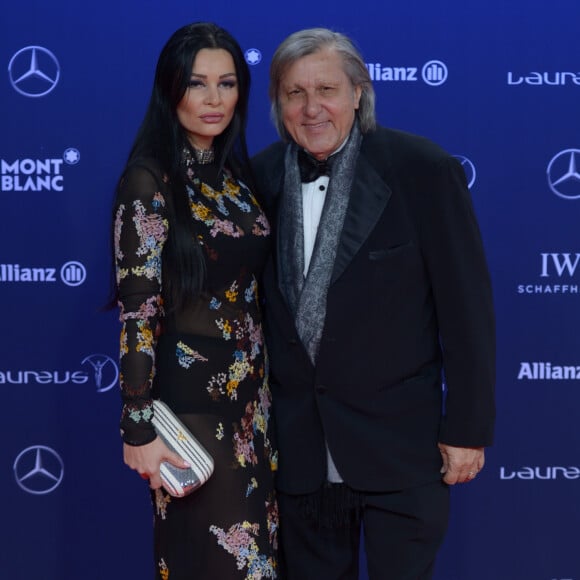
(402, 533)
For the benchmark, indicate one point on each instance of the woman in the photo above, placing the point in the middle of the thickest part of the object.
(190, 241)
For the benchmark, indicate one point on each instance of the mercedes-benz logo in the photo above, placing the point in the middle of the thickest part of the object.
(563, 176)
(34, 71)
(105, 371)
(468, 168)
(38, 470)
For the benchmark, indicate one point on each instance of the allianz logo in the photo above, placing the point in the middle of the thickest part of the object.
(71, 273)
(539, 371)
(560, 78)
(545, 473)
(433, 72)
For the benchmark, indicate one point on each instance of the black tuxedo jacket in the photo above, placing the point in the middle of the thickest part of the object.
(409, 300)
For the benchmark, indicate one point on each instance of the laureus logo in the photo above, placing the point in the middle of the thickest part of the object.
(105, 371)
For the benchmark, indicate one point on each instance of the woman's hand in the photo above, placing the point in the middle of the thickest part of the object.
(146, 459)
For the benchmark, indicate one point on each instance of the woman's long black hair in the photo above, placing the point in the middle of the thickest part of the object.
(162, 137)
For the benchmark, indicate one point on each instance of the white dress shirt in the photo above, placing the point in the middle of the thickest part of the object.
(313, 196)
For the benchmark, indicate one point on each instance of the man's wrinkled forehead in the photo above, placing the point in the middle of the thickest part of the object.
(324, 66)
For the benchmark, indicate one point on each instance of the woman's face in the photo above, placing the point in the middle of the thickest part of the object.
(209, 102)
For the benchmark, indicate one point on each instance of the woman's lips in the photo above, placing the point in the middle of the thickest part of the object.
(213, 118)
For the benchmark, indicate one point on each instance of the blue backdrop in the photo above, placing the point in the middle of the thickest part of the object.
(495, 83)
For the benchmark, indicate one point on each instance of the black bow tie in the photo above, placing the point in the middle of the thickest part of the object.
(311, 169)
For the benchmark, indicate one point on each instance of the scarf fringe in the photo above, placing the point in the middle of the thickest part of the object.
(334, 505)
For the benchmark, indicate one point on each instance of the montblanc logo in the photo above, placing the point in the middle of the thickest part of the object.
(547, 371)
(30, 174)
(561, 266)
(546, 473)
(71, 274)
(544, 78)
(253, 56)
(99, 370)
(433, 72)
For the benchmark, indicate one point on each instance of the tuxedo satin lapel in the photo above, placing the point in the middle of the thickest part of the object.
(368, 199)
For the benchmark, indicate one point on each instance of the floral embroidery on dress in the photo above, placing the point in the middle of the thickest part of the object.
(216, 225)
(163, 570)
(227, 228)
(117, 229)
(273, 520)
(187, 356)
(251, 292)
(148, 309)
(251, 486)
(230, 191)
(273, 460)
(123, 341)
(215, 388)
(225, 327)
(238, 371)
(158, 201)
(162, 500)
(254, 421)
(138, 414)
(239, 541)
(232, 292)
(261, 227)
(152, 231)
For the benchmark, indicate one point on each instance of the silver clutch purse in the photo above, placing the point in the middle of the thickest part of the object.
(180, 482)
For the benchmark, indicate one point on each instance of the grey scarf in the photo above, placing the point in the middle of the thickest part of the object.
(306, 297)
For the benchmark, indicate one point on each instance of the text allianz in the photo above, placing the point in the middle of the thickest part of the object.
(541, 371)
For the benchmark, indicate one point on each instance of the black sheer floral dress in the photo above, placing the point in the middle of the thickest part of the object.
(209, 364)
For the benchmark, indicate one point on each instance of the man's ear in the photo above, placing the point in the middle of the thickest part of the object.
(357, 95)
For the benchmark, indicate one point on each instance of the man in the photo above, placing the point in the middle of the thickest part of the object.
(378, 287)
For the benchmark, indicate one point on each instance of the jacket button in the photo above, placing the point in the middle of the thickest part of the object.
(321, 389)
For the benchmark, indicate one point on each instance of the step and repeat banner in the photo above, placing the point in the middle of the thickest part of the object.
(497, 84)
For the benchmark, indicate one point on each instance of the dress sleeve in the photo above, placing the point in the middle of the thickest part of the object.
(140, 231)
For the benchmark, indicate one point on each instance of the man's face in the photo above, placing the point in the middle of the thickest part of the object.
(318, 102)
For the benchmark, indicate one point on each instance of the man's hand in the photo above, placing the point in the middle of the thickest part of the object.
(461, 464)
